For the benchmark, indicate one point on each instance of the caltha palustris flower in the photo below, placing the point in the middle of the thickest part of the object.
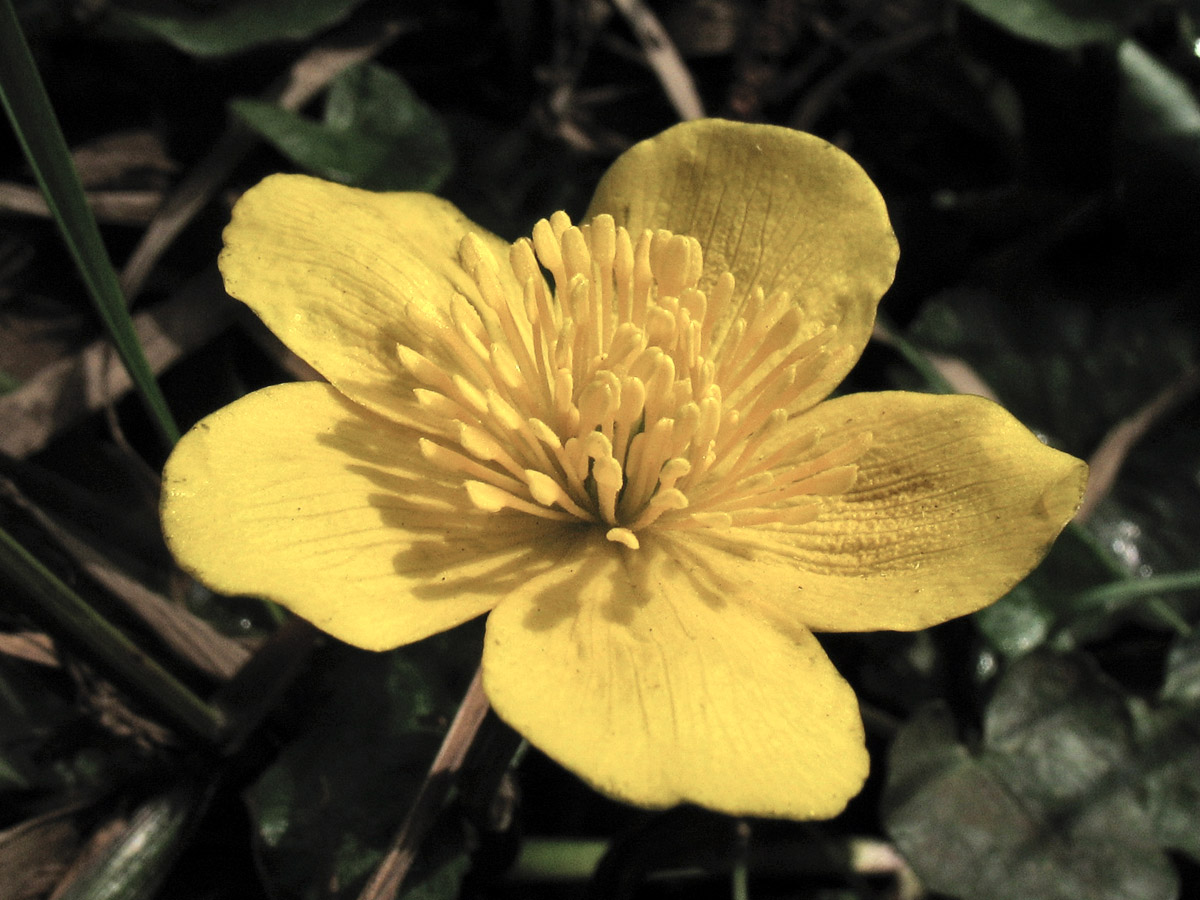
(614, 438)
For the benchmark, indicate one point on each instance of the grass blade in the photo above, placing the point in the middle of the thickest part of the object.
(32, 117)
(55, 604)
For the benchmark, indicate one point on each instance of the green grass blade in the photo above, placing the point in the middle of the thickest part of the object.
(32, 117)
(53, 603)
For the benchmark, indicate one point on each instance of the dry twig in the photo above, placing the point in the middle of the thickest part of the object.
(663, 58)
(192, 639)
(66, 391)
(1105, 463)
(128, 207)
(389, 876)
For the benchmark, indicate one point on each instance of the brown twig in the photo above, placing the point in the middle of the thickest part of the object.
(119, 207)
(191, 639)
(66, 391)
(942, 371)
(961, 375)
(870, 856)
(663, 58)
(30, 646)
(389, 876)
(1106, 462)
(34, 853)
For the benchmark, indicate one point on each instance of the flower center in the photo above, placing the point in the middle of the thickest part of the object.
(616, 398)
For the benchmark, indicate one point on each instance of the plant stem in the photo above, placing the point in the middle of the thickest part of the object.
(1120, 592)
(740, 876)
(887, 334)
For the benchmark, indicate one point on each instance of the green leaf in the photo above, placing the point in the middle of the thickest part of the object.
(326, 809)
(1171, 740)
(1148, 522)
(134, 865)
(1157, 104)
(225, 28)
(376, 134)
(1036, 608)
(28, 107)
(1064, 350)
(1047, 810)
(1157, 151)
(49, 600)
(1182, 683)
(1061, 23)
(1020, 621)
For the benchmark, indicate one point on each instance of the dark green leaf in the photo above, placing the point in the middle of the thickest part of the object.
(376, 134)
(1061, 23)
(1048, 810)
(1070, 360)
(1036, 608)
(925, 748)
(1157, 151)
(138, 860)
(326, 809)
(225, 28)
(1171, 736)
(1182, 684)
(1020, 621)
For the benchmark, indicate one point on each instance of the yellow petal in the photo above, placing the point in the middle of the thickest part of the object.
(297, 495)
(780, 209)
(626, 670)
(342, 276)
(955, 501)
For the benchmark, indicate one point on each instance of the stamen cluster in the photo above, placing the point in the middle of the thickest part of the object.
(615, 398)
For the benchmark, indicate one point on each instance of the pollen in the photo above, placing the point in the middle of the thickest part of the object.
(605, 379)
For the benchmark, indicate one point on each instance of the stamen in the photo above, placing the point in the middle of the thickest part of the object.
(490, 498)
(546, 491)
(452, 461)
(593, 381)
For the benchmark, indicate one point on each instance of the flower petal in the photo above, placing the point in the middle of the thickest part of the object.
(630, 673)
(343, 275)
(297, 495)
(780, 209)
(954, 503)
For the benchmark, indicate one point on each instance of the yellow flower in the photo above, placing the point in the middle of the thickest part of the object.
(632, 471)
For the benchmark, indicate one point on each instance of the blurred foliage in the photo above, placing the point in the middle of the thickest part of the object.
(229, 26)
(1050, 806)
(325, 809)
(1066, 24)
(1041, 160)
(376, 134)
